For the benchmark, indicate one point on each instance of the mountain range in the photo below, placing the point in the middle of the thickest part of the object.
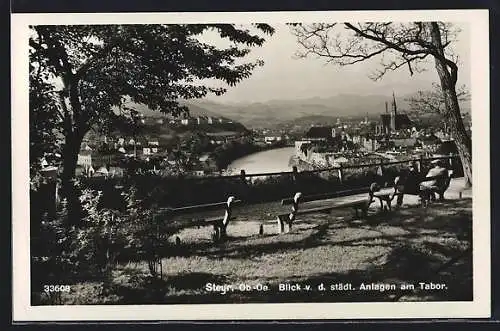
(277, 112)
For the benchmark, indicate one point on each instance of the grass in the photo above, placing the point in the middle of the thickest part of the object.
(406, 246)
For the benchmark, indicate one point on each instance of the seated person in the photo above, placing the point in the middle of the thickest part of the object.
(407, 182)
(435, 184)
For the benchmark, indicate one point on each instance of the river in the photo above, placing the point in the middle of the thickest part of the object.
(273, 160)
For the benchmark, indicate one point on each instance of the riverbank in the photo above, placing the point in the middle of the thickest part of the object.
(230, 152)
(275, 158)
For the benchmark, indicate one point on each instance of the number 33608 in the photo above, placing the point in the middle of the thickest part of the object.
(56, 288)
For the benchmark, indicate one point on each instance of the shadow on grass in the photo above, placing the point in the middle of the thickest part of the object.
(135, 287)
(406, 264)
(444, 219)
(418, 244)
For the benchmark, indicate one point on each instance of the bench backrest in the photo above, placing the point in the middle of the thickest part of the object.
(231, 202)
(325, 196)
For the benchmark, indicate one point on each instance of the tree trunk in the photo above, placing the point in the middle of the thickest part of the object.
(69, 190)
(452, 115)
(73, 132)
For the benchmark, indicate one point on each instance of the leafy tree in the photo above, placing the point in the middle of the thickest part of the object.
(93, 71)
(42, 124)
(397, 45)
(196, 142)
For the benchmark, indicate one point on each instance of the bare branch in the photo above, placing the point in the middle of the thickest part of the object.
(433, 100)
(410, 44)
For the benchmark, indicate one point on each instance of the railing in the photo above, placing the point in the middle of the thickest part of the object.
(184, 191)
(340, 168)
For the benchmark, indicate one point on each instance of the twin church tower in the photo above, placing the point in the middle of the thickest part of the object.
(392, 121)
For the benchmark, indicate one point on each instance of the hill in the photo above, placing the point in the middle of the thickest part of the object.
(167, 132)
(277, 112)
(304, 111)
(194, 110)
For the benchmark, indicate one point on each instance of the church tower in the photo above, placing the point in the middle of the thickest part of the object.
(394, 113)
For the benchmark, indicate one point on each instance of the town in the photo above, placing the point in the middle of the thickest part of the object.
(204, 145)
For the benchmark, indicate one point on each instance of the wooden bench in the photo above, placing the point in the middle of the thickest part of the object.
(399, 189)
(428, 194)
(286, 220)
(219, 223)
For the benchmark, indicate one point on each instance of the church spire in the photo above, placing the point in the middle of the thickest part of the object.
(394, 107)
(393, 113)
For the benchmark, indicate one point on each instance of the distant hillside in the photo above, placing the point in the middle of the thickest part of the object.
(194, 110)
(313, 120)
(165, 131)
(276, 112)
(307, 111)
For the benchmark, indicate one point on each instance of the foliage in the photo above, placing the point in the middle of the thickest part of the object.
(43, 124)
(103, 238)
(97, 69)
(94, 72)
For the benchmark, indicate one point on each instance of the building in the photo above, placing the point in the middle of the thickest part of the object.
(102, 171)
(404, 142)
(392, 122)
(320, 133)
(429, 141)
(84, 159)
(153, 142)
(201, 120)
(370, 144)
(272, 139)
(222, 136)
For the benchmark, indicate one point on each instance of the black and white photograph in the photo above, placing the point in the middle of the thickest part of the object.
(301, 160)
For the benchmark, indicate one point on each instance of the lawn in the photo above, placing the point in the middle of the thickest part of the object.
(407, 246)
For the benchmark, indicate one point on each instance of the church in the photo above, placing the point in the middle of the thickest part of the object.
(392, 122)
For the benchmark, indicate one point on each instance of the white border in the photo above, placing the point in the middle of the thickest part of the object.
(479, 307)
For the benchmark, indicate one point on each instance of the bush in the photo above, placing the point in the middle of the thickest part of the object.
(63, 254)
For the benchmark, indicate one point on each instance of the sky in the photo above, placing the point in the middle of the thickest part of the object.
(284, 76)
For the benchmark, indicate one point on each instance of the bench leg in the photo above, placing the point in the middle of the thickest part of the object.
(284, 224)
(281, 225)
(399, 200)
(216, 234)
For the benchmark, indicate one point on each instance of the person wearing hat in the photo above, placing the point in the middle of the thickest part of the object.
(433, 184)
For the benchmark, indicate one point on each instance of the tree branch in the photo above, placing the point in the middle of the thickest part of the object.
(386, 42)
